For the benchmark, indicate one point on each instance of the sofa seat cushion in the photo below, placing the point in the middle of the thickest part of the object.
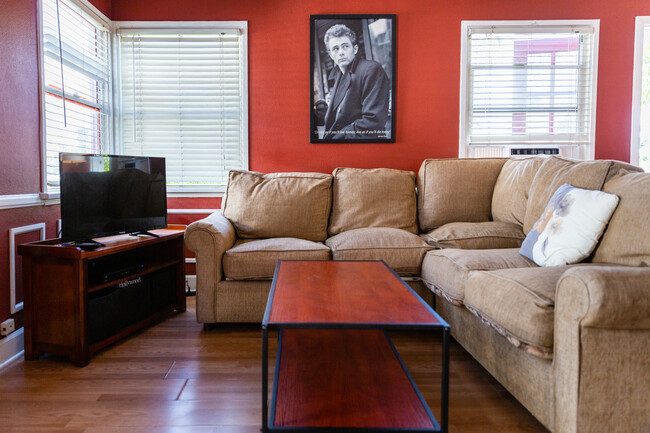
(446, 271)
(401, 250)
(295, 205)
(518, 303)
(476, 236)
(378, 197)
(251, 259)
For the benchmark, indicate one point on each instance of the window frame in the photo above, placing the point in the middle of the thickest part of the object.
(53, 193)
(192, 26)
(641, 22)
(464, 150)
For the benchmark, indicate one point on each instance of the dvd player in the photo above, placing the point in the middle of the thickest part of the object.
(121, 273)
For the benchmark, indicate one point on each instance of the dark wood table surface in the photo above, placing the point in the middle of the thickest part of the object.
(336, 368)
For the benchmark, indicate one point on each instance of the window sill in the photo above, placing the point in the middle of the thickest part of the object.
(27, 200)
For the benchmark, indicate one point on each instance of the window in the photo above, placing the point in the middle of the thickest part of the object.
(183, 97)
(640, 150)
(75, 83)
(528, 87)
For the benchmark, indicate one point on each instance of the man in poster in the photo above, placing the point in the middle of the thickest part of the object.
(359, 99)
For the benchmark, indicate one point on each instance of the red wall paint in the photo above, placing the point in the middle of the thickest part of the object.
(104, 7)
(19, 119)
(193, 202)
(18, 217)
(428, 73)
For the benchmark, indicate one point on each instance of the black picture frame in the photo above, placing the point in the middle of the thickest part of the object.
(358, 105)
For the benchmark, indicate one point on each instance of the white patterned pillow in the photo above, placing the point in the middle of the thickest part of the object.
(569, 229)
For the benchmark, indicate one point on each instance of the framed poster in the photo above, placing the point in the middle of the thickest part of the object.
(352, 64)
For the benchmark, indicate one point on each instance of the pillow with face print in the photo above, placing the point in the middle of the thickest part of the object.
(570, 226)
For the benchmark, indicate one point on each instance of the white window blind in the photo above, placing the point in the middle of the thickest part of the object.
(530, 85)
(75, 83)
(640, 137)
(183, 98)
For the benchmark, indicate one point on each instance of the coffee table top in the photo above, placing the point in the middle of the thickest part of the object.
(360, 294)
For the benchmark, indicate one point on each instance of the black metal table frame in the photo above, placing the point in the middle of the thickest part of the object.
(442, 326)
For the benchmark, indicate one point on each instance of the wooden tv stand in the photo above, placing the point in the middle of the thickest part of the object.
(78, 302)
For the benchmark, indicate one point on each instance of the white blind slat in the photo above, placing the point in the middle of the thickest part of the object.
(530, 86)
(182, 99)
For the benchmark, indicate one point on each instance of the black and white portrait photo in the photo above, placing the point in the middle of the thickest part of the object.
(352, 78)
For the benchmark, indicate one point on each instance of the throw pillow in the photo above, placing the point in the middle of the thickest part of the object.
(569, 229)
(278, 205)
(377, 197)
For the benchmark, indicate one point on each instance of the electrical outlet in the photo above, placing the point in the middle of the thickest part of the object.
(7, 327)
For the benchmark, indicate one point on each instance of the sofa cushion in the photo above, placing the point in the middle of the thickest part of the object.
(379, 197)
(456, 190)
(446, 271)
(555, 172)
(272, 205)
(511, 189)
(518, 303)
(401, 250)
(256, 258)
(626, 240)
(570, 226)
(475, 236)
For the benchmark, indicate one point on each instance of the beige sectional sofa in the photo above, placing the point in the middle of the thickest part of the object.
(571, 343)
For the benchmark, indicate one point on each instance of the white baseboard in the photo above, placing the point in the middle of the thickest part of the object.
(12, 347)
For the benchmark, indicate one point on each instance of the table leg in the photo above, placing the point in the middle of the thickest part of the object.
(445, 381)
(265, 384)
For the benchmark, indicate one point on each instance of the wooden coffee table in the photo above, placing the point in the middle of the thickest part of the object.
(336, 368)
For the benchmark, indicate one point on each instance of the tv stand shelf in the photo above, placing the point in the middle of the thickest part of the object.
(78, 302)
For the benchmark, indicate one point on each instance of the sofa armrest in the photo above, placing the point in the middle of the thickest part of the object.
(602, 350)
(209, 238)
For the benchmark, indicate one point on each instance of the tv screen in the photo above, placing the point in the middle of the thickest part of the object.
(104, 195)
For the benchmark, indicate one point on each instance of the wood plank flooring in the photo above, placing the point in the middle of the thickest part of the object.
(177, 378)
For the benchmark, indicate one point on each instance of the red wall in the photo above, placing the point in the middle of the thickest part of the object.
(104, 6)
(19, 119)
(428, 72)
(427, 97)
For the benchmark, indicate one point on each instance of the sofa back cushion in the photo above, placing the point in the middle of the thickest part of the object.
(456, 190)
(379, 197)
(511, 189)
(626, 240)
(272, 205)
(556, 171)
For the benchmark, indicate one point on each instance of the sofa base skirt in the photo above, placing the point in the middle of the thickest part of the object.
(528, 378)
(241, 301)
(245, 301)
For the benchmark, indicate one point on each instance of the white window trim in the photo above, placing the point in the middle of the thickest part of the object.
(464, 73)
(242, 26)
(11, 201)
(50, 196)
(87, 7)
(637, 84)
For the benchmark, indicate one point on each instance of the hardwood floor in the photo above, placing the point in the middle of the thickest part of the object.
(177, 378)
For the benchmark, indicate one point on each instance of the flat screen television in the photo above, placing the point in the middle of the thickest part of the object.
(104, 195)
